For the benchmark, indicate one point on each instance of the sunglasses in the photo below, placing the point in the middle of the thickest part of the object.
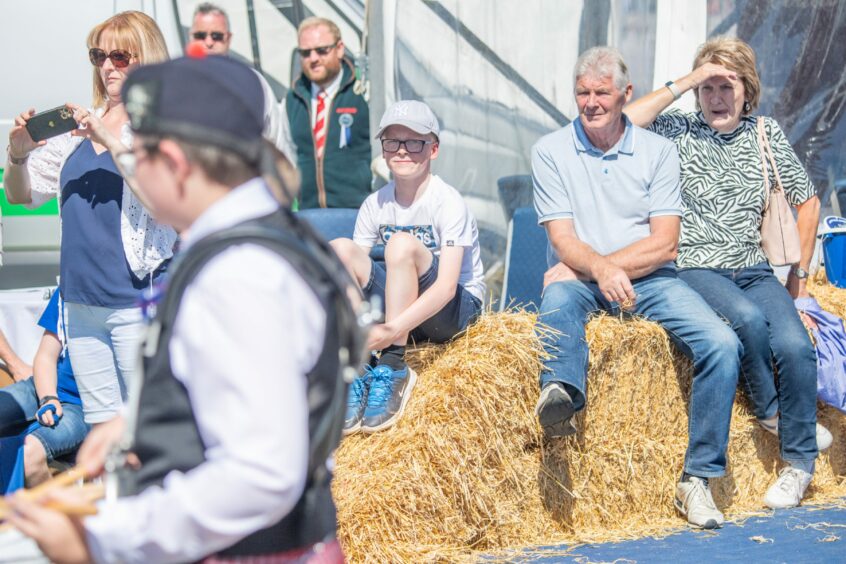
(412, 146)
(120, 58)
(217, 36)
(322, 51)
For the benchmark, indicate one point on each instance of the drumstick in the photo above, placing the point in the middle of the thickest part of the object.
(66, 478)
(92, 492)
(68, 509)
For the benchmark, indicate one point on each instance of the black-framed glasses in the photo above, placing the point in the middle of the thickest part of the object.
(322, 51)
(120, 57)
(217, 36)
(412, 146)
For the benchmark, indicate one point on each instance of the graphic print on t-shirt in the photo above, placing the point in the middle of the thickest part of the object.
(423, 233)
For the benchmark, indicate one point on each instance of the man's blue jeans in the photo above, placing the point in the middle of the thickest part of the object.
(761, 312)
(693, 327)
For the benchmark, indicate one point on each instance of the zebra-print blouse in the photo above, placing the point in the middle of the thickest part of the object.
(722, 188)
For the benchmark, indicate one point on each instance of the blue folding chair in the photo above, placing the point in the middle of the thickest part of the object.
(515, 192)
(525, 261)
(331, 223)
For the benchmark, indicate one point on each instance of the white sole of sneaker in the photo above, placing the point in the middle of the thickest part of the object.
(412, 380)
(709, 524)
(352, 430)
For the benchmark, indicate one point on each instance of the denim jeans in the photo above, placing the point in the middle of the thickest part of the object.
(18, 404)
(104, 344)
(761, 312)
(453, 318)
(691, 324)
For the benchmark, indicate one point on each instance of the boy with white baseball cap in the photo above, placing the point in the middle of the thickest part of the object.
(432, 280)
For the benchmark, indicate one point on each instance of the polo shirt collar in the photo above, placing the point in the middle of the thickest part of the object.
(625, 145)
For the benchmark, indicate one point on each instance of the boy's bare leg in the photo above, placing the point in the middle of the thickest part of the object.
(406, 259)
(357, 262)
(36, 469)
(354, 258)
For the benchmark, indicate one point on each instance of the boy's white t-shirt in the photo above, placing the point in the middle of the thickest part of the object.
(440, 218)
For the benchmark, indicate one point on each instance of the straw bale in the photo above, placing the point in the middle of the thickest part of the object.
(466, 471)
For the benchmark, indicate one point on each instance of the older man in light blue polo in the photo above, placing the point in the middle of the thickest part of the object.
(607, 193)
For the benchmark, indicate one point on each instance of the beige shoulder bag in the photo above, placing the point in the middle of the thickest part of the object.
(779, 235)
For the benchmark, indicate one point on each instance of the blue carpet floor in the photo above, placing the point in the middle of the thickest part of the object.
(795, 536)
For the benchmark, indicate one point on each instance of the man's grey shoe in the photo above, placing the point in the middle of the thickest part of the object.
(694, 501)
(555, 411)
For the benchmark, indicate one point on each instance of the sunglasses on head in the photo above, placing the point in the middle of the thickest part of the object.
(217, 36)
(305, 53)
(120, 57)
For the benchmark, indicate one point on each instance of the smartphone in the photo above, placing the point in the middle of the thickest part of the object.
(51, 123)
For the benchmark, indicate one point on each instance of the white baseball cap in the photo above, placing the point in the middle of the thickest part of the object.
(413, 114)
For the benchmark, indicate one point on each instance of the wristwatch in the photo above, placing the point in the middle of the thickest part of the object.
(674, 90)
(16, 160)
(800, 272)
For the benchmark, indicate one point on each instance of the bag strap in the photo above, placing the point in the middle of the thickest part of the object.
(767, 158)
(763, 152)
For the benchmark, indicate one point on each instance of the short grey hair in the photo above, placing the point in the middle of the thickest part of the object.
(601, 62)
(209, 8)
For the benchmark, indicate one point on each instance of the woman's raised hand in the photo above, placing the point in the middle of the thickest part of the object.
(90, 126)
(708, 71)
(20, 141)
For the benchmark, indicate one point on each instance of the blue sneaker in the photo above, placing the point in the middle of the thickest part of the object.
(356, 400)
(389, 393)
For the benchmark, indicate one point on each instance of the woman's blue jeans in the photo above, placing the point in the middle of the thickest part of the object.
(693, 327)
(761, 312)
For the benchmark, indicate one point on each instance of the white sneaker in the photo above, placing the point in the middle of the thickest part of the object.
(694, 501)
(824, 438)
(788, 489)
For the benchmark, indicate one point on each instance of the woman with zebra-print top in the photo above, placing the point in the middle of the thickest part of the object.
(720, 254)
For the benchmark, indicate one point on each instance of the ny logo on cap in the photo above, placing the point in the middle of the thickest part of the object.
(400, 110)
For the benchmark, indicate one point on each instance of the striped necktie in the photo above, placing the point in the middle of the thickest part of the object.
(320, 124)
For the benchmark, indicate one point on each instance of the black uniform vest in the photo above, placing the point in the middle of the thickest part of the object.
(166, 436)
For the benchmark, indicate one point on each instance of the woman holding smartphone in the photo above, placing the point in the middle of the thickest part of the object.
(111, 247)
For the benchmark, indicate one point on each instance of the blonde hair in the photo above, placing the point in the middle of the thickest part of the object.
(134, 31)
(737, 55)
(315, 21)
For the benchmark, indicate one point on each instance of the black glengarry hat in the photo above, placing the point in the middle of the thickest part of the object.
(211, 100)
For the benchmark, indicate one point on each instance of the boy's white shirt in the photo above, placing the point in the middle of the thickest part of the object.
(439, 218)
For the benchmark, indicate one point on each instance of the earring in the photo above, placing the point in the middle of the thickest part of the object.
(747, 107)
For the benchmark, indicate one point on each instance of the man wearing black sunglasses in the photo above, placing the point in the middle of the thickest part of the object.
(210, 26)
(329, 121)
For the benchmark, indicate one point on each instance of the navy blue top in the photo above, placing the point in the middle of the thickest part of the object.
(93, 268)
(65, 384)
